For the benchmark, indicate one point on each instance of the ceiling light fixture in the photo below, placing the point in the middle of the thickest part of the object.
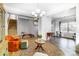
(38, 13)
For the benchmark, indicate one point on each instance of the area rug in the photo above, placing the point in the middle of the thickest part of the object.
(40, 54)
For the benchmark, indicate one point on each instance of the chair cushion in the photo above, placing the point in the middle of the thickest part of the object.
(23, 45)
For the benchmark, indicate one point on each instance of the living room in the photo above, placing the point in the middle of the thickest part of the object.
(38, 29)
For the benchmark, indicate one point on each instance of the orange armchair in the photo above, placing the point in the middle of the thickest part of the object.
(13, 43)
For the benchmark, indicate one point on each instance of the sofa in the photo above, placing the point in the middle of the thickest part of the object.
(68, 35)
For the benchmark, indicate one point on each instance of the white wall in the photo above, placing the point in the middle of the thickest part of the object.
(77, 23)
(6, 23)
(46, 26)
(24, 25)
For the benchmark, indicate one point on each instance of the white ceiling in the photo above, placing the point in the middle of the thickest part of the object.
(27, 8)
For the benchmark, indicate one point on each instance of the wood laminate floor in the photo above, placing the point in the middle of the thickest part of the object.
(66, 45)
(48, 48)
(54, 47)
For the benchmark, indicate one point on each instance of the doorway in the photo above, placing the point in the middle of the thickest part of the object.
(12, 27)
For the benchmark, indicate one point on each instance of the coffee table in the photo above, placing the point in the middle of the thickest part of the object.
(39, 44)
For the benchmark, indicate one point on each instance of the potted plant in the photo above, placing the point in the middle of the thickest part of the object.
(39, 36)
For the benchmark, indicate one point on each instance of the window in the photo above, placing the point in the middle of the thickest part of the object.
(72, 27)
(68, 27)
(63, 27)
